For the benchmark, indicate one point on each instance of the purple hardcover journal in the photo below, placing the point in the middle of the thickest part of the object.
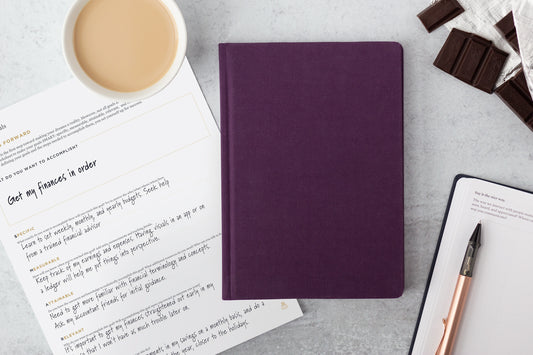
(312, 170)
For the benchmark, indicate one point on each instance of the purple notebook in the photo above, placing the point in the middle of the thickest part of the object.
(312, 170)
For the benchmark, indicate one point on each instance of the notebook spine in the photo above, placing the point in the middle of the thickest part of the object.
(224, 131)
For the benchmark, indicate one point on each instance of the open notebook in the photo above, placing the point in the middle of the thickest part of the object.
(497, 316)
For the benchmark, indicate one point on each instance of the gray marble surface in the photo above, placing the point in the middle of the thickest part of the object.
(450, 128)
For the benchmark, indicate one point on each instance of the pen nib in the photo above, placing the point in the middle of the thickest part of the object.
(476, 236)
(471, 252)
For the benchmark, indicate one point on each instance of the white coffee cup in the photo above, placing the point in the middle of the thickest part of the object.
(79, 73)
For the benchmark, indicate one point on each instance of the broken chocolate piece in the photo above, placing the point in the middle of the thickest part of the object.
(490, 69)
(507, 28)
(472, 59)
(515, 93)
(439, 13)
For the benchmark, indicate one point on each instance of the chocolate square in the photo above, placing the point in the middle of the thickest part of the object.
(439, 13)
(472, 59)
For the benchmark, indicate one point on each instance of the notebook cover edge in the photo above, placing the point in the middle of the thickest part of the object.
(402, 285)
(225, 198)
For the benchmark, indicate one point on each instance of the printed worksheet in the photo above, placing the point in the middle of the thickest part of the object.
(110, 214)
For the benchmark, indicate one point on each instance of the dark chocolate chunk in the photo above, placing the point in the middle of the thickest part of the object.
(439, 13)
(515, 93)
(451, 50)
(490, 69)
(472, 59)
(507, 29)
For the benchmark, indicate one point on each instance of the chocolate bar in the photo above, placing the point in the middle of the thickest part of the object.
(472, 59)
(515, 93)
(439, 13)
(507, 28)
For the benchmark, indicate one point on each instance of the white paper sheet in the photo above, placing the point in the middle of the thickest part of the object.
(523, 20)
(497, 316)
(110, 214)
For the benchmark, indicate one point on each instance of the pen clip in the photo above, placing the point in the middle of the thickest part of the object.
(443, 334)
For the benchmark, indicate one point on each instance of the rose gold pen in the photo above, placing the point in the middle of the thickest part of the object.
(451, 324)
